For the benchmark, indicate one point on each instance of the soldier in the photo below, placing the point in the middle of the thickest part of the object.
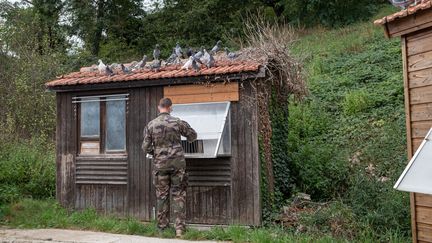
(162, 139)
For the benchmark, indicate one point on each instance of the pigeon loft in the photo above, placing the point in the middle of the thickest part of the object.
(414, 27)
(100, 122)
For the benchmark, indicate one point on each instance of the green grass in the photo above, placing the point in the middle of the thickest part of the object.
(31, 213)
(347, 138)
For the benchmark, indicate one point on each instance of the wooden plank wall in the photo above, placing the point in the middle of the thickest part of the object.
(245, 169)
(222, 191)
(65, 150)
(141, 192)
(197, 93)
(417, 55)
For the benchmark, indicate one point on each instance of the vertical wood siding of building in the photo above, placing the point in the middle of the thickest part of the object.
(229, 194)
(417, 58)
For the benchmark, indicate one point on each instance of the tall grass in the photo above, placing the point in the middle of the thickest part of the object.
(27, 169)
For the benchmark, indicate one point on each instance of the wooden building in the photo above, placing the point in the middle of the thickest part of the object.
(100, 122)
(414, 27)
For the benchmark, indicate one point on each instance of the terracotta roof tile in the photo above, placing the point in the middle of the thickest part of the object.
(409, 11)
(88, 77)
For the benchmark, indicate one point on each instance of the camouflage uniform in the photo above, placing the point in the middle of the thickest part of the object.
(162, 138)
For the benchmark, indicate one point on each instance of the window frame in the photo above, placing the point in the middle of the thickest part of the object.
(101, 139)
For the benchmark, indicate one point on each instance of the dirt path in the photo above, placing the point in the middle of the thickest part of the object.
(76, 236)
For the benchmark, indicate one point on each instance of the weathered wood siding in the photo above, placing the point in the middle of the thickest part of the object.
(66, 150)
(141, 192)
(221, 191)
(417, 58)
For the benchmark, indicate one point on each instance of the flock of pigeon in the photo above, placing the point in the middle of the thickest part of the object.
(195, 60)
(404, 4)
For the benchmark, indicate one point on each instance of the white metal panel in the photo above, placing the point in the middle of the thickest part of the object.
(417, 176)
(208, 120)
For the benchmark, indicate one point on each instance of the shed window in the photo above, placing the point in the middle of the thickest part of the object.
(212, 123)
(102, 124)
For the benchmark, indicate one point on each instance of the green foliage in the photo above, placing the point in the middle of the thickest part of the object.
(49, 214)
(26, 170)
(356, 102)
(347, 139)
(329, 13)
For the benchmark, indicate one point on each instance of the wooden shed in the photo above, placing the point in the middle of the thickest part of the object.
(414, 27)
(100, 122)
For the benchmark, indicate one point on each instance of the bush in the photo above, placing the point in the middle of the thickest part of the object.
(27, 169)
(357, 101)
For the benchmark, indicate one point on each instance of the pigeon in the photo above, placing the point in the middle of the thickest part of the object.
(156, 52)
(172, 59)
(208, 59)
(156, 65)
(178, 50)
(195, 66)
(124, 69)
(101, 67)
(199, 54)
(188, 63)
(403, 3)
(143, 62)
(231, 55)
(216, 48)
(109, 71)
(189, 52)
(114, 66)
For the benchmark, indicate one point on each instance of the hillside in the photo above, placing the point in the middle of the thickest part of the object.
(347, 139)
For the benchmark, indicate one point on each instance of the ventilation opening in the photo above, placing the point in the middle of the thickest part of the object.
(195, 147)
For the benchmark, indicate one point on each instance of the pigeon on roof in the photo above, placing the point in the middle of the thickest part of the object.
(124, 69)
(208, 59)
(178, 50)
(190, 52)
(109, 71)
(195, 65)
(156, 52)
(216, 48)
(172, 59)
(231, 55)
(101, 67)
(141, 64)
(200, 53)
(188, 63)
(403, 3)
(156, 65)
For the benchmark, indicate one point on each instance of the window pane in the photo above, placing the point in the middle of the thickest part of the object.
(90, 113)
(115, 125)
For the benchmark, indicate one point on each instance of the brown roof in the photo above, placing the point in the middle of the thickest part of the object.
(426, 4)
(168, 72)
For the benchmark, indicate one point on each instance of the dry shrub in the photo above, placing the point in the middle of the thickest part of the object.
(269, 43)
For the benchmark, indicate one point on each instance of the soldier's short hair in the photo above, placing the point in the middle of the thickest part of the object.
(165, 103)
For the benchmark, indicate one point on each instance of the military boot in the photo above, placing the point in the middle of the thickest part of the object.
(179, 233)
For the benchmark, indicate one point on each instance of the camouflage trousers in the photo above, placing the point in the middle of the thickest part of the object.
(176, 182)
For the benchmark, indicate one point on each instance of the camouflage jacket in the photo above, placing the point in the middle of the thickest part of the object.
(162, 138)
